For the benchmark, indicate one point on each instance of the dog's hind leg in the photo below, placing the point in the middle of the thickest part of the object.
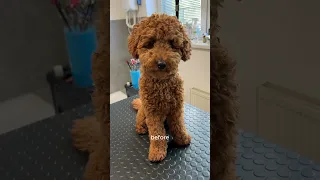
(177, 128)
(141, 127)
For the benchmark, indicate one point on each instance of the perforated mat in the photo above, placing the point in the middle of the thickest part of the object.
(261, 160)
(43, 150)
(129, 151)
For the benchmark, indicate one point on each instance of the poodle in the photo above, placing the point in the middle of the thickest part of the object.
(160, 42)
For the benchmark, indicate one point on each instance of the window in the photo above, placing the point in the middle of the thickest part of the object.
(189, 10)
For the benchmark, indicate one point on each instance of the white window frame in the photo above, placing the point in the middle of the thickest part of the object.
(205, 14)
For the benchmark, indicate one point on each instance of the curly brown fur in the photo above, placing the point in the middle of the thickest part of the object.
(93, 134)
(224, 106)
(85, 133)
(136, 104)
(160, 38)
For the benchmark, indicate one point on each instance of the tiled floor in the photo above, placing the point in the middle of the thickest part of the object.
(32, 107)
(117, 96)
(23, 110)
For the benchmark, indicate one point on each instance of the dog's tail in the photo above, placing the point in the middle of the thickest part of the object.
(136, 104)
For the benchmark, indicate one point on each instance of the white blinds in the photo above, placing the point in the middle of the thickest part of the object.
(188, 9)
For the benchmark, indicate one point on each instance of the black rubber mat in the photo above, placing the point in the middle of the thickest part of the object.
(261, 160)
(43, 150)
(129, 151)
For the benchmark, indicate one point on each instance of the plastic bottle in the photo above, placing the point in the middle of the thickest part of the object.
(194, 32)
(198, 32)
(194, 29)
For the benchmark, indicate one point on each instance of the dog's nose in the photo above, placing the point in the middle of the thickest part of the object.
(161, 65)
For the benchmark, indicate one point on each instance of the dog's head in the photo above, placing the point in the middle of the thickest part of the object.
(160, 42)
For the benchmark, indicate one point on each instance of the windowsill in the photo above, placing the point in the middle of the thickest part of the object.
(200, 45)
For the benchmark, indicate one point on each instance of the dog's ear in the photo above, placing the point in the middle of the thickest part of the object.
(186, 48)
(133, 41)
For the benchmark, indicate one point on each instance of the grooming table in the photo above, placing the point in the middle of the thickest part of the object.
(261, 160)
(129, 151)
(43, 150)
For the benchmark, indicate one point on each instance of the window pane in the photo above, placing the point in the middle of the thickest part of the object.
(189, 15)
(168, 7)
(189, 10)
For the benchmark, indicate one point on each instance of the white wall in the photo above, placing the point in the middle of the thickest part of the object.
(276, 41)
(196, 72)
(117, 11)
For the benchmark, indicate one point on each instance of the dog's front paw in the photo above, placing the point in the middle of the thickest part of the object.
(141, 130)
(156, 155)
(183, 141)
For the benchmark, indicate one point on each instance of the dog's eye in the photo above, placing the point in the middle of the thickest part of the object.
(149, 45)
(171, 42)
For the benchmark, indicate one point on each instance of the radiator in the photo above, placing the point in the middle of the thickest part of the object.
(200, 99)
(289, 119)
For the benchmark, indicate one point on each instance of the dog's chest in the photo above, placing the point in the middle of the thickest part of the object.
(162, 97)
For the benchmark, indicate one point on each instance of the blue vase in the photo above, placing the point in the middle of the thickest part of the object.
(135, 76)
(81, 46)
